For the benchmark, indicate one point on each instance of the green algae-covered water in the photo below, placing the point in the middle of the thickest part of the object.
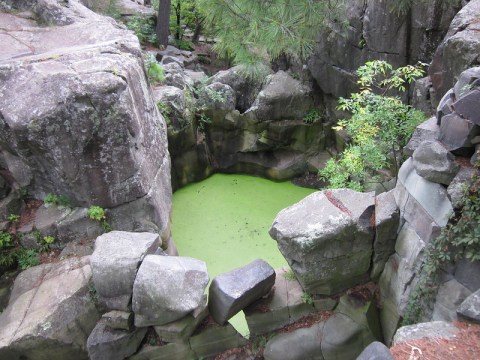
(224, 221)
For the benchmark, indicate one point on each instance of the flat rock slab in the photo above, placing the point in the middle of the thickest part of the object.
(232, 291)
(115, 262)
(327, 239)
(177, 351)
(429, 330)
(108, 344)
(470, 307)
(167, 288)
(283, 306)
(50, 313)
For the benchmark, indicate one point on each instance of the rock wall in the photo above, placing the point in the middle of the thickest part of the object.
(373, 31)
(76, 114)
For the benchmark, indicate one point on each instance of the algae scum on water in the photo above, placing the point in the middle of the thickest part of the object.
(224, 221)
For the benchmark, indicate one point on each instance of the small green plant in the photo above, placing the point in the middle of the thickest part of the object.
(165, 110)
(13, 218)
(312, 116)
(27, 259)
(144, 28)
(259, 342)
(290, 275)
(379, 127)
(58, 200)
(307, 298)
(203, 121)
(97, 213)
(155, 72)
(6, 239)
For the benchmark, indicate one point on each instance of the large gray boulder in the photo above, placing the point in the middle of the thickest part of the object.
(50, 313)
(460, 182)
(456, 132)
(167, 288)
(176, 106)
(217, 96)
(449, 297)
(434, 162)
(327, 239)
(459, 49)
(85, 126)
(246, 88)
(115, 262)
(282, 97)
(108, 344)
(470, 308)
(232, 291)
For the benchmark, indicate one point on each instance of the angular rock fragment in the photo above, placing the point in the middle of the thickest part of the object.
(115, 262)
(108, 344)
(434, 162)
(167, 288)
(470, 308)
(232, 291)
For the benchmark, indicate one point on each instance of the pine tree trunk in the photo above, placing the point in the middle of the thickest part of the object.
(163, 22)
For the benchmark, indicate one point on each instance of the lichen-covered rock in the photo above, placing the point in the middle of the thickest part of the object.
(109, 344)
(167, 288)
(282, 97)
(217, 96)
(327, 239)
(459, 49)
(456, 189)
(232, 291)
(115, 262)
(50, 313)
(429, 330)
(434, 162)
(470, 308)
(85, 126)
(245, 87)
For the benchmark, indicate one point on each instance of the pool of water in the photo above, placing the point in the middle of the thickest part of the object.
(224, 221)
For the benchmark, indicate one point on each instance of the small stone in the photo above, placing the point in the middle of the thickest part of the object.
(376, 351)
(118, 320)
(470, 308)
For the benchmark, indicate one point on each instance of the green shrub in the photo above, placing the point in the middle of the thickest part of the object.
(155, 72)
(96, 213)
(6, 240)
(307, 298)
(312, 116)
(290, 275)
(58, 200)
(379, 128)
(27, 259)
(13, 218)
(144, 28)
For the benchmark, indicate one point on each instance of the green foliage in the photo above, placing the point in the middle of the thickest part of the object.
(165, 110)
(290, 275)
(203, 121)
(184, 45)
(58, 200)
(259, 342)
(251, 31)
(460, 239)
(307, 298)
(6, 240)
(96, 213)
(379, 127)
(312, 116)
(27, 259)
(155, 72)
(144, 28)
(13, 218)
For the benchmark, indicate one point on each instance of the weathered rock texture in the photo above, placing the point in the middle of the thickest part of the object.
(115, 262)
(232, 291)
(85, 125)
(50, 313)
(458, 51)
(327, 239)
(167, 288)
